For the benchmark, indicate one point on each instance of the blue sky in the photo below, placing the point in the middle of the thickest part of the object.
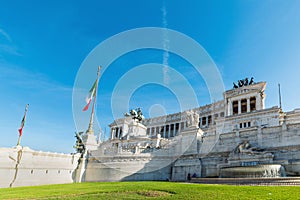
(43, 44)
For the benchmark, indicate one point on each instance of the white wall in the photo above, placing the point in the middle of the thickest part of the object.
(21, 166)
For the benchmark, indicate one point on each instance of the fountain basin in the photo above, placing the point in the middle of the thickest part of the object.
(257, 171)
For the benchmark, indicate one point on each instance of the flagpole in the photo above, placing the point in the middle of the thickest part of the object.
(90, 129)
(22, 125)
(279, 92)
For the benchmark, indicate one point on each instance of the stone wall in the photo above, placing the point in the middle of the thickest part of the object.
(282, 141)
(21, 166)
(135, 168)
(162, 163)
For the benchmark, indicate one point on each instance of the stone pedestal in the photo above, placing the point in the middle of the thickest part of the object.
(90, 142)
(136, 129)
(190, 140)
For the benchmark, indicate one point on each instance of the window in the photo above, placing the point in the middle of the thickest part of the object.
(244, 105)
(171, 130)
(222, 114)
(176, 128)
(235, 107)
(167, 131)
(252, 103)
(162, 128)
(209, 120)
(245, 124)
(203, 121)
(116, 133)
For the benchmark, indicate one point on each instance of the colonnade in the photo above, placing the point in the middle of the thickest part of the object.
(167, 130)
(116, 132)
(242, 105)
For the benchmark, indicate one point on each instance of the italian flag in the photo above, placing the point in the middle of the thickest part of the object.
(23, 121)
(92, 93)
(22, 125)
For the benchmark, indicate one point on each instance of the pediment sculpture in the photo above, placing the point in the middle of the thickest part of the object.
(243, 82)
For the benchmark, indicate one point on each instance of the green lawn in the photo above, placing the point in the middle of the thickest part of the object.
(149, 190)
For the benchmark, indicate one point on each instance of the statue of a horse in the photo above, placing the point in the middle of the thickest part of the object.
(251, 81)
(136, 114)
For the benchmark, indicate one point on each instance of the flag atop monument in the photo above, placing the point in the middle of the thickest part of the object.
(92, 93)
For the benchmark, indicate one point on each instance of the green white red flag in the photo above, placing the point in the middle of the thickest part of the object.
(90, 96)
(23, 121)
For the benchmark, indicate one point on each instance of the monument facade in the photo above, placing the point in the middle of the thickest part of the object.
(234, 137)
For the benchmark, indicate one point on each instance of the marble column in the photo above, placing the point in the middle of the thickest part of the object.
(229, 108)
(200, 121)
(112, 133)
(263, 95)
(248, 104)
(174, 130)
(258, 101)
(239, 107)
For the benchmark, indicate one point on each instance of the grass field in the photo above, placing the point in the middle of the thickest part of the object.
(149, 190)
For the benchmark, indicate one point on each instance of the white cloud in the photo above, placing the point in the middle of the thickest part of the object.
(5, 35)
(6, 45)
(16, 76)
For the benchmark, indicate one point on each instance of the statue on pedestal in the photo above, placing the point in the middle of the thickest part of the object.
(136, 115)
(192, 118)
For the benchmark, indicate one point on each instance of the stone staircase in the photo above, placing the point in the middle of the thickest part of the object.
(249, 181)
